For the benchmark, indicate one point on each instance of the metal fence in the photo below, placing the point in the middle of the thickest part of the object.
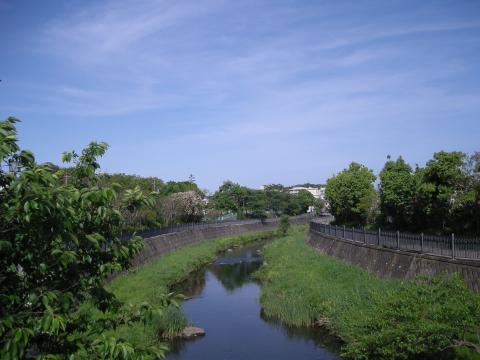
(202, 225)
(447, 246)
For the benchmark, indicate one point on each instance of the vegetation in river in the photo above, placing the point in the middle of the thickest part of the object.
(172, 322)
(376, 318)
(149, 281)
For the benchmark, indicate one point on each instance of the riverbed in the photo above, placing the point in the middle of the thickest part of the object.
(224, 300)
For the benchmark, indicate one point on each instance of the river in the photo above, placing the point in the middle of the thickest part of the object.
(225, 302)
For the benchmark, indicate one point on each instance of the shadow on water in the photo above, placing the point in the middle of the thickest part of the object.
(224, 300)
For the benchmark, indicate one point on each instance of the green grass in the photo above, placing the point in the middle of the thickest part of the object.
(148, 282)
(376, 318)
(299, 286)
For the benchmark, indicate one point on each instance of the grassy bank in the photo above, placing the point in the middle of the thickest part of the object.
(149, 282)
(376, 318)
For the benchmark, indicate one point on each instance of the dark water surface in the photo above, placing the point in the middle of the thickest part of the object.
(225, 302)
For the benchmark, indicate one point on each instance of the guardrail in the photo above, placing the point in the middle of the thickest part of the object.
(202, 225)
(446, 246)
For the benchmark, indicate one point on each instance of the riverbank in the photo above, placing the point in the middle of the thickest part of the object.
(150, 281)
(375, 318)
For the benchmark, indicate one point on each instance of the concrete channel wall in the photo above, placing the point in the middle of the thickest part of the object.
(159, 245)
(394, 263)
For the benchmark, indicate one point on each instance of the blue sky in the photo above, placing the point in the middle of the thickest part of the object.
(253, 91)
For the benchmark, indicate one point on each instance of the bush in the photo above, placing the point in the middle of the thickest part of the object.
(427, 319)
(284, 225)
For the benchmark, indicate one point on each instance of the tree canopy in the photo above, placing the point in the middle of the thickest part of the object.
(273, 200)
(351, 194)
(59, 242)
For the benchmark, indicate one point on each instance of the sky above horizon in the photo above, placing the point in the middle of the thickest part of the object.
(257, 92)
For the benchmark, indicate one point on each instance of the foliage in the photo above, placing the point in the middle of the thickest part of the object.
(230, 196)
(427, 319)
(284, 225)
(376, 318)
(159, 197)
(57, 246)
(443, 196)
(351, 195)
(182, 207)
(274, 199)
(397, 188)
(172, 322)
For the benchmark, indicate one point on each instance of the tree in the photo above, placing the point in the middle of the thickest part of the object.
(305, 199)
(397, 189)
(277, 198)
(231, 196)
(58, 244)
(256, 204)
(183, 207)
(351, 195)
(443, 182)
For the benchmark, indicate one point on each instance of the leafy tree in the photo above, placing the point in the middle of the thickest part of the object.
(172, 187)
(124, 181)
(58, 244)
(305, 199)
(256, 204)
(397, 189)
(231, 197)
(351, 194)
(277, 198)
(442, 184)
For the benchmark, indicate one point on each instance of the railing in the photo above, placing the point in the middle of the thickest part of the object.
(201, 225)
(447, 246)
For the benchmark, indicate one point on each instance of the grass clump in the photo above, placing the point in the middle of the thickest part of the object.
(172, 322)
(376, 318)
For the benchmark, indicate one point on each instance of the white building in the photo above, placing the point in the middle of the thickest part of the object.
(318, 192)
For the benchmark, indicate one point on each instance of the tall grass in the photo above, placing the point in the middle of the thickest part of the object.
(301, 287)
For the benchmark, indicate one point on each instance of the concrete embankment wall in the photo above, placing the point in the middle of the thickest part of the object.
(163, 244)
(394, 263)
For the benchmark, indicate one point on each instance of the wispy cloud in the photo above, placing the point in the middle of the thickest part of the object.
(228, 73)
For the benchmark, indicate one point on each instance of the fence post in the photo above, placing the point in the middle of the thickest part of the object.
(364, 236)
(353, 233)
(336, 230)
(344, 231)
(453, 246)
(398, 240)
(378, 239)
(421, 243)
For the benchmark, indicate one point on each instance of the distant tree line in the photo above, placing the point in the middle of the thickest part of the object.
(273, 200)
(441, 197)
(168, 202)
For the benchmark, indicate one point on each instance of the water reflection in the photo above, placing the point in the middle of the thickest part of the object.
(225, 302)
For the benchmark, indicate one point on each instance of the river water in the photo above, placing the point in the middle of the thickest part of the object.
(225, 302)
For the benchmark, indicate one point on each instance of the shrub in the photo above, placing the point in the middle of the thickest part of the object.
(284, 225)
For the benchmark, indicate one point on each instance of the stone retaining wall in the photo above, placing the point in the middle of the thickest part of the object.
(163, 244)
(394, 263)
